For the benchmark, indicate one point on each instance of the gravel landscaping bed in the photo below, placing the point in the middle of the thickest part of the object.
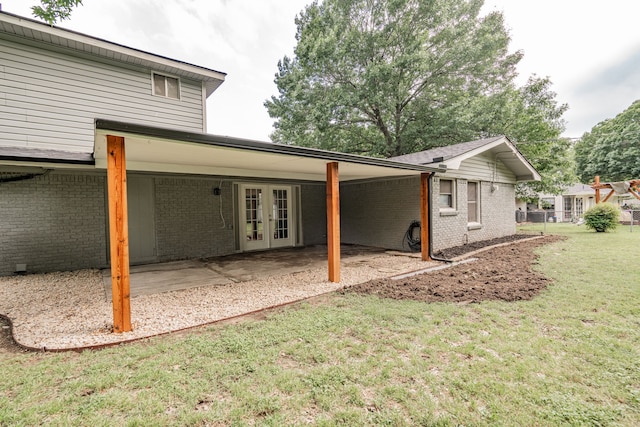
(69, 310)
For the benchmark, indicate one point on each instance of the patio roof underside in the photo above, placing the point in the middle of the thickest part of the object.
(159, 150)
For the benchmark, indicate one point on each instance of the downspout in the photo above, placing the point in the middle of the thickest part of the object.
(431, 227)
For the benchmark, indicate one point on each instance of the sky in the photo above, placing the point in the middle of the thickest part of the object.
(589, 49)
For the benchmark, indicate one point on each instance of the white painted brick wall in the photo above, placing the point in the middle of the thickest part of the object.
(53, 222)
(188, 220)
(314, 214)
(379, 213)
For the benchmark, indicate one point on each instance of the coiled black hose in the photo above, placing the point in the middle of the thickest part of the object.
(414, 243)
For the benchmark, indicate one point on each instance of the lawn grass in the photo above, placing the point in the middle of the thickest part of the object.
(571, 356)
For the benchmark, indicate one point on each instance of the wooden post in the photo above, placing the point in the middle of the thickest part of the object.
(333, 221)
(597, 183)
(608, 196)
(119, 233)
(424, 216)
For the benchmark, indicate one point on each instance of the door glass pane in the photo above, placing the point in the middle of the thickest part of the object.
(567, 208)
(280, 214)
(579, 208)
(254, 227)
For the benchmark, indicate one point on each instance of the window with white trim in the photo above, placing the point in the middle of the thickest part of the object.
(446, 198)
(166, 86)
(473, 202)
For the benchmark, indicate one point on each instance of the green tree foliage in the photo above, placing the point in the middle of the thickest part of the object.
(602, 217)
(389, 77)
(612, 148)
(53, 11)
(531, 117)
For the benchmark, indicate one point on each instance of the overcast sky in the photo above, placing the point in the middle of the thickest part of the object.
(589, 49)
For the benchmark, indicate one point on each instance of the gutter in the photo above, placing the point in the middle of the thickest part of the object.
(36, 155)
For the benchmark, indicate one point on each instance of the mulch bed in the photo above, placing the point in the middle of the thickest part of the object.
(470, 247)
(502, 273)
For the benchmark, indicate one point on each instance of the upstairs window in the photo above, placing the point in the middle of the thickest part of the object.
(446, 199)
(166, 86)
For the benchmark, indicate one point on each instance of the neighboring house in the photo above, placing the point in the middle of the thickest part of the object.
(576, 200)
(65, 97)
(570, 205)
(475, 199)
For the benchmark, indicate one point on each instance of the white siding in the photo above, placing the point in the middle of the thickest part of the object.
(50, 100)
(483, 168)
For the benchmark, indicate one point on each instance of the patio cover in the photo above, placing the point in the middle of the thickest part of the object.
(152, 149)
(119, 147)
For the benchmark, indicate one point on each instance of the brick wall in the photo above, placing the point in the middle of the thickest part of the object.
(53, 222)
(496, 215)
(449, 227)
(58, 221)
(188, 219)
(314, 214)
(378, 213)
(498, 209)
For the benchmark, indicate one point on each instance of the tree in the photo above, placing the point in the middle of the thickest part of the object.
(531, 117)
(53, 10)
(389, 77)
(612, 148)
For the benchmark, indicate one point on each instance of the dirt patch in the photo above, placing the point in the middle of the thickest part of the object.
(474, 246)
(7, 344)
(502, 273)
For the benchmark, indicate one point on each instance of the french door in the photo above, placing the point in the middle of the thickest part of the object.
(266, 219)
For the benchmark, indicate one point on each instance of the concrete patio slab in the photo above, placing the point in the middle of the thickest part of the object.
(156, 278)
(165, 277)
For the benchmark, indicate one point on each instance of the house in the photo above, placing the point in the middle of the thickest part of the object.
(475, 198)
(105, 161)
(570, 205)
(64, 96)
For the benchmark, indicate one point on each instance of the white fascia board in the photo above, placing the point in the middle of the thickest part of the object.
(454, 163)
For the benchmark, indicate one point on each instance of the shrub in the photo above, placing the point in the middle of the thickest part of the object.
(602, 217)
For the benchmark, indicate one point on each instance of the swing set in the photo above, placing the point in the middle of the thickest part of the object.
(632, 187)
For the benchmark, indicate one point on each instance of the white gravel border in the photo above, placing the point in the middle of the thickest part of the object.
(69, 310)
